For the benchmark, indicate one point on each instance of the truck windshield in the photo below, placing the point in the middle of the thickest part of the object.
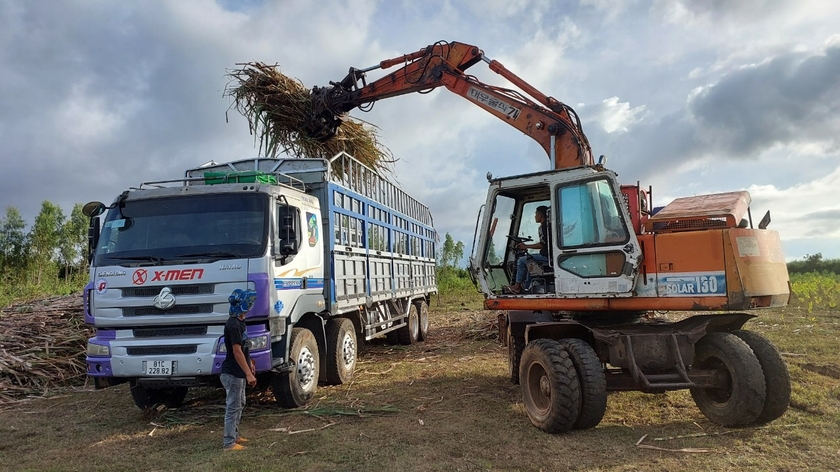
(172, 230)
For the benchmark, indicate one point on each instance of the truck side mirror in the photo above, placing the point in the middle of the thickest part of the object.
(93, 237)
(93, 209)
(288, 230)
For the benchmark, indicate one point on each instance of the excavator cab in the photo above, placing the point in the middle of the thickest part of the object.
(592, 248)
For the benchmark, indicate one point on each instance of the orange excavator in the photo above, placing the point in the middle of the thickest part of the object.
(583, 321)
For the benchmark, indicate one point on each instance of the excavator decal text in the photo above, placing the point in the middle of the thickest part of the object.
(488, 100)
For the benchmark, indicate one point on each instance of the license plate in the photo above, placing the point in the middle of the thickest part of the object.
(158, 367)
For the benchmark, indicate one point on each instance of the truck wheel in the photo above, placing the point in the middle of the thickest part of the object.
(296, 387)
(341, 350)
(550, 388)
(516, 344)
(148, 397)
(408, 334)
(776, 375)
(423, 322)
(593, 383)
(742, 400)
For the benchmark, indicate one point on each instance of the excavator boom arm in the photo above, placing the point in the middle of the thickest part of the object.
(554, 125)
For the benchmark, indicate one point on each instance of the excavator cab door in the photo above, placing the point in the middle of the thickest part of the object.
(594, 249)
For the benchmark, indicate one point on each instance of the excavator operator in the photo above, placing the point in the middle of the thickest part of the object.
(523, 278)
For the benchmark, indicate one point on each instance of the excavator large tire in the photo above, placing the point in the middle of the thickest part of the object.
(516, 344)
(550, 387)
(742, 401)
(776, 375)
(593, 383)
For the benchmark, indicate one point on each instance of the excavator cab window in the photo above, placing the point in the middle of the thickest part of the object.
(589, 218)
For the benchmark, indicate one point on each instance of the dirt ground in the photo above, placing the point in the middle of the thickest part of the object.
(445, 404)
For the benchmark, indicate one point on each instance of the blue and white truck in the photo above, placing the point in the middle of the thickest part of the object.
(335, 252)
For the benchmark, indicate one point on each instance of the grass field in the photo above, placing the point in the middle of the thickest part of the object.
(444, 404)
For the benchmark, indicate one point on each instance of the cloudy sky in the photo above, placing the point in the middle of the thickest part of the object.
(689, 96)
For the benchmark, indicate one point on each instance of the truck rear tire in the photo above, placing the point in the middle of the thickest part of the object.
(423, 321)
(341, 350)
(550, 386)
(593, 383)
(144, 397)
(742, 401)
(776, 375)
(296, 387)
(409, 333)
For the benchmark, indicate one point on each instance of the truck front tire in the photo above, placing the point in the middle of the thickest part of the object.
(294, 388)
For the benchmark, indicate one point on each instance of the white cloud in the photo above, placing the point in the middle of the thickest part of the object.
(615, 116)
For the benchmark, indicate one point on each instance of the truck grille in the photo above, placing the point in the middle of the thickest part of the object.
(176, 310)
(170, 331)
(160, 350)
(197, 289)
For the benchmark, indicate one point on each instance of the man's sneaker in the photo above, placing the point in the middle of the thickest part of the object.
(241, 440)
(235, 447)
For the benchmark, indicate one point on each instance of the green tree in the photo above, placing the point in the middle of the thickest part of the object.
(45, 236)
(451, 252)
(73, 244)
(13, 242)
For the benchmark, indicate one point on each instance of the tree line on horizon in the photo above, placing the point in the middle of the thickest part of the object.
(50, 258)
(814, 263)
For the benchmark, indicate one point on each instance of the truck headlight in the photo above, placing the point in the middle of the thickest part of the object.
(98, 350)
(256, 344)
(259, 343)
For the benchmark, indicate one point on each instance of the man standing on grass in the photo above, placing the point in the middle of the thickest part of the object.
(237, 368)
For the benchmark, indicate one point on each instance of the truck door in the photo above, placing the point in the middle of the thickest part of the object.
(594, 249)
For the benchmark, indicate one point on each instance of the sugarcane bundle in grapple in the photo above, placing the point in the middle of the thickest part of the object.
(279, 113)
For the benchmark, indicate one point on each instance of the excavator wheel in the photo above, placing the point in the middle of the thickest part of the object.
(550, 386)
(776, 375)
(593, 383)
(741, 401)
(515, 344)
